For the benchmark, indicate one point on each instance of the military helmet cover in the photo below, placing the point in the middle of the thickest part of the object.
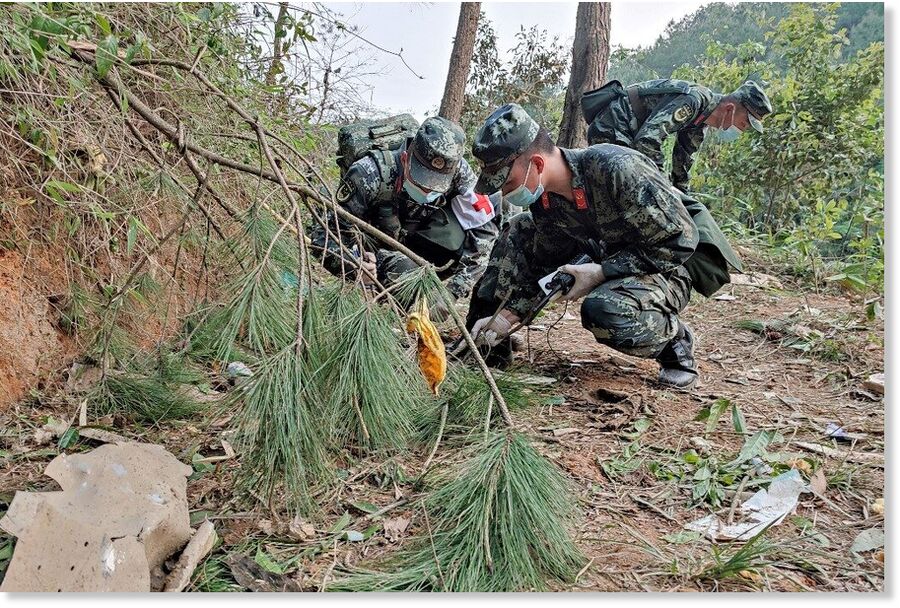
(435, 153)
(506, 133)
(751, 96)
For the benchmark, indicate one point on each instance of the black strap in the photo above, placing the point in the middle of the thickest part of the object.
(637, 104)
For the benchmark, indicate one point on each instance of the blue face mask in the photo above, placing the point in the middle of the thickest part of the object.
(522, 196)
(729, 135)
(419, 195)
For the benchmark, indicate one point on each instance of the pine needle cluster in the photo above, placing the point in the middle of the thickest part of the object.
(499, 523)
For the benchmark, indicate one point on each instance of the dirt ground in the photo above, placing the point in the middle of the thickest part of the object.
(611, 429)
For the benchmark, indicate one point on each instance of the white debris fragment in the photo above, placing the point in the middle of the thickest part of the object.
(100, 533)
(766, 507)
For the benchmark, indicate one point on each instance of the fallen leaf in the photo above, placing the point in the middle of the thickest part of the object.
(42, 436)
(266, 527)
(254, 577)
(817, 482)
(875, 383)
(301, 530)
(395, 527)
(750, 575)
(565, 431)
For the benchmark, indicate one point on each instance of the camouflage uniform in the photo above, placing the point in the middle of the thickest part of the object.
(373, 191)
(624, 203)
(643, 115)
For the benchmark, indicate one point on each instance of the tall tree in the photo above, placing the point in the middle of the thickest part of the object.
(590, 57)
(460, 60)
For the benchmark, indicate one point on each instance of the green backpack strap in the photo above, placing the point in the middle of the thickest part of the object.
(384, 160)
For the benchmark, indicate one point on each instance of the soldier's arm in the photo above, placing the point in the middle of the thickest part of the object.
(356, 194)
(686, 145)
(550, 248)
(663, 235)
(474, 259)
(663, 122)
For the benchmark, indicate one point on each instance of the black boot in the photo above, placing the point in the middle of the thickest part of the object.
(678, 368)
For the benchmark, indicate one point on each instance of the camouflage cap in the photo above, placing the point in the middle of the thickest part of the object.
(751, 96)
(435, 153)
(501, 139)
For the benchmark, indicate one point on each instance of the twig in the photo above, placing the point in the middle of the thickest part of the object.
(653, 508)
(583, 570)
(385, 509)
(437, 442)
(736, 499)
(437, 562)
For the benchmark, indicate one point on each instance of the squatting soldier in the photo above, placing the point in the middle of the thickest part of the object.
(643, 115)
(607, 198)
(422, 195)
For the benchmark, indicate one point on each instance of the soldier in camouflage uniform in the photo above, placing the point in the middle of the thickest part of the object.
(606, 193)
(643, 115)
(422, 195)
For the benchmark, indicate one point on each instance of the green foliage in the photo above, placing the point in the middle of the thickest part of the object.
(147, 399)
(817, 184)
(685, 41)
(500, 523)
(374, 388)
(535, 77)
(280, 442)
(467, 394)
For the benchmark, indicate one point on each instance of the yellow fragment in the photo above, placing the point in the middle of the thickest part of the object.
(430, 347)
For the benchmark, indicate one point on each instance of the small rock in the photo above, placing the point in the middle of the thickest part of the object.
(875, 383)
(877, 507)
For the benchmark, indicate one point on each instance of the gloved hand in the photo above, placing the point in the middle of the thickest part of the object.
(587, 277)
(491, 333)
(368, 264)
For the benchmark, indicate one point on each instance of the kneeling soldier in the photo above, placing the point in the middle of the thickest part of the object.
(421, 194)
(606, 195)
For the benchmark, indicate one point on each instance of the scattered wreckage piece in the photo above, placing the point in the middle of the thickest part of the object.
(121, 513)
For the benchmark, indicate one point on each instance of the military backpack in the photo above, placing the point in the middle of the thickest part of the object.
(360, 138)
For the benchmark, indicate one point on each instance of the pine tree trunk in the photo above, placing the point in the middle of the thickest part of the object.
(460, 61)
(590, 58)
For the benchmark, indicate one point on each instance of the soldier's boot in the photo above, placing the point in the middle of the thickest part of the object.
(677, 366)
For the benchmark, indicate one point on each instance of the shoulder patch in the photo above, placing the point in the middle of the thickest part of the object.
(683, 113)
(345, 191)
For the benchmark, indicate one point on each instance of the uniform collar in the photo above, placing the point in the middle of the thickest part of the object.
(573, 159)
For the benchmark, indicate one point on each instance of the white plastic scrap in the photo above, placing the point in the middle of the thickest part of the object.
(766, 507)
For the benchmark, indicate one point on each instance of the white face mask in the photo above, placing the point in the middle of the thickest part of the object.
(522, 196)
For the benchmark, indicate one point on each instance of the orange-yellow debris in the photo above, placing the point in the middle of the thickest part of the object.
(430, 348)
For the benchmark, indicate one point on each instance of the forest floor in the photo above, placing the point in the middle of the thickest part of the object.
(620, 439)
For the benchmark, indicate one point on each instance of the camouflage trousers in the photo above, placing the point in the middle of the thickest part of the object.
(636, 315)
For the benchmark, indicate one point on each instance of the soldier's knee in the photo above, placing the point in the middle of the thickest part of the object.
(607, 310)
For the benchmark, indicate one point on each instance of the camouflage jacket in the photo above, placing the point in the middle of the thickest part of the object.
(622, 202)
(372, 190)
(672, 106)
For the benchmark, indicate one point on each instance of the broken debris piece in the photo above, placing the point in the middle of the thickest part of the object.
(765, 508)
(121, 512)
